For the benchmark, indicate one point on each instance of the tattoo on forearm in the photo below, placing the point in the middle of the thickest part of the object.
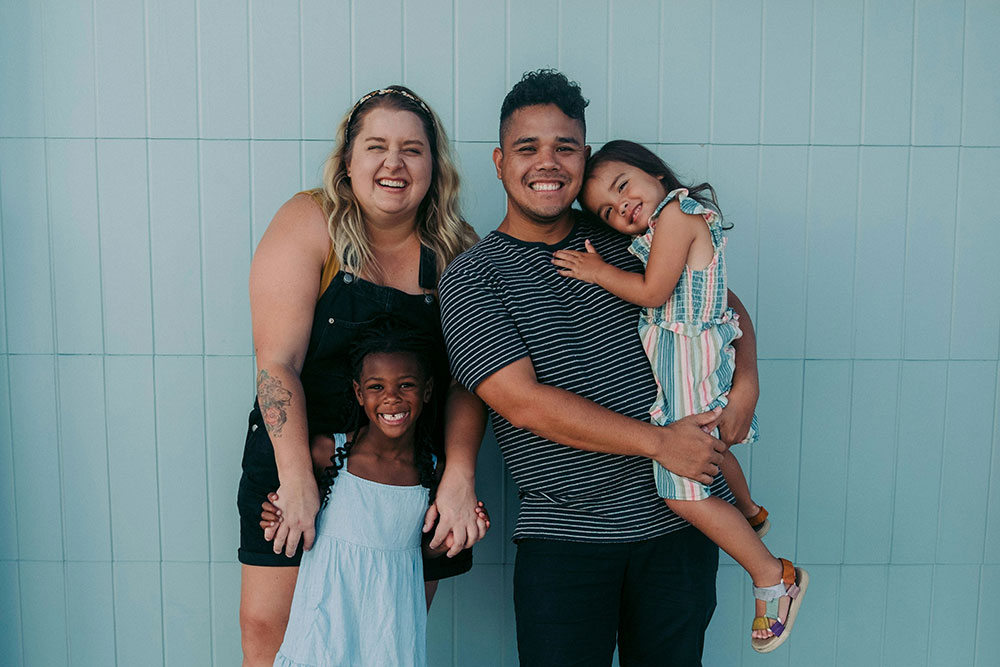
(274, 400)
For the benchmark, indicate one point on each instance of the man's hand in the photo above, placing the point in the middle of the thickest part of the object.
(687, 450)
(298, 505)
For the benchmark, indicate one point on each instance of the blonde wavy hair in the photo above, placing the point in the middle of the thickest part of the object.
(440, 225)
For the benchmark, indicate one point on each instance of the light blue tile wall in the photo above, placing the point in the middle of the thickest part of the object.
(144, 147)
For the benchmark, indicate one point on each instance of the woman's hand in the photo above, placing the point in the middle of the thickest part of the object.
(734, 422)
(457, 514)
(297, 505)
(585, 266)
(483, 520)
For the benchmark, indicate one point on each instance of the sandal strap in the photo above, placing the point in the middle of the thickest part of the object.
(787, 571)
(758, 518)
(786, 586)
(769, 593)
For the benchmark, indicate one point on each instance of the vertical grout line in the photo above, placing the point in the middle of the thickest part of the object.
(559, 34)
(864, 71)
(152, 357)
(302, 85)
(104, 344)
(851, 368)
(454, 75)
(199, 117)
(402, 42)
(812, 74)
(508, 76)
(940, 462)
(852, 316)
(10, 437)
(913, 77)
(303, 133)
(954, 254)
(762, 79)
(711, 74)
(610, 80)
(97, 88)
(930, 613)
(54, 356)
(351, 32)
(250, 79)
(659, 75)
(199, 144)
(961, 94)
(986, 526)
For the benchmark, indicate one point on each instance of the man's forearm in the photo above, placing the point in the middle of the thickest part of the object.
(745, 375)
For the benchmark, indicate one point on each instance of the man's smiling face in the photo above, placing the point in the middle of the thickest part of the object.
(541, 164)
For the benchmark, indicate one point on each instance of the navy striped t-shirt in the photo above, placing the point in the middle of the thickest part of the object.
(502, 300)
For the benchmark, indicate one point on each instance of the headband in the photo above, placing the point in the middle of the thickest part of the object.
(390, 91)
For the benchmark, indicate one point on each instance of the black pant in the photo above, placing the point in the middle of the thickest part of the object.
(573, 600)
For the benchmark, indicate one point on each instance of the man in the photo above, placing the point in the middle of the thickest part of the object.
(600, 558)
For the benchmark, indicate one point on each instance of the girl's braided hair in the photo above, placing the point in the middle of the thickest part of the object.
(385, 335)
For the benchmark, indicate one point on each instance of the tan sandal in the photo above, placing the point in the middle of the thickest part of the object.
(786, 598)
(759, 522)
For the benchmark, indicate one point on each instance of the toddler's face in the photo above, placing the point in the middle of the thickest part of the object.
(623, 196)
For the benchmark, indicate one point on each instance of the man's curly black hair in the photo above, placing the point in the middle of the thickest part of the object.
(385, 335)
(544, 86)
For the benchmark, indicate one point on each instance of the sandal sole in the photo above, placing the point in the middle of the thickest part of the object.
(771, 643)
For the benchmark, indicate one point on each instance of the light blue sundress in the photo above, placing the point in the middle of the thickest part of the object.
(359, 597)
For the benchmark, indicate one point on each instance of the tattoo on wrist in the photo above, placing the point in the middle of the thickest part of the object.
(274, 401)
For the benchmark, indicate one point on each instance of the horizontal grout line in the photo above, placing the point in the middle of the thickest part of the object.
(491, 142)
(250, 356)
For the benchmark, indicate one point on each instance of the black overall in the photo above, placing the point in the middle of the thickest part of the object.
(342, 312)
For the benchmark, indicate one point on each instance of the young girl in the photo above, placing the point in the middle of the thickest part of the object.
(687, 330)
(359, 597)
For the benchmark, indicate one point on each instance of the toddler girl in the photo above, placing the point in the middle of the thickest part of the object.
(687, 330)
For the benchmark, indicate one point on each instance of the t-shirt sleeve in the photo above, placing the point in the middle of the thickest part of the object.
(479, 331)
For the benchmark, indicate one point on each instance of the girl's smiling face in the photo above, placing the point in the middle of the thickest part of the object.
(392, 390)
(623, 196)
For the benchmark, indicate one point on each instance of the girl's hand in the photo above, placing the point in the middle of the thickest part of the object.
(270, 516)
(734, 423)
(482, 517)
(299, 504)
(454, 510)
(585, 266)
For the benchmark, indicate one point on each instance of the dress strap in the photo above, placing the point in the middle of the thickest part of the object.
(428, 278)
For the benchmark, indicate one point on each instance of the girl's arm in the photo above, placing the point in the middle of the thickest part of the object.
(284, 283)
(453, 508)
(668, 253)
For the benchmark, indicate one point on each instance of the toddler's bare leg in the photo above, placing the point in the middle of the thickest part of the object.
(727, 527)
(733, 473)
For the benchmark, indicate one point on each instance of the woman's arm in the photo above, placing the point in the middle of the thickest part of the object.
(284, 283)
(668, 253)
(455, 502)
(734, 424)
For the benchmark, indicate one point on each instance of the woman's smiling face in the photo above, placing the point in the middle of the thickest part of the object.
(390, 165)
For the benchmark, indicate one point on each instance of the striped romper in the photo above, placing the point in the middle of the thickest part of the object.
(689, 342)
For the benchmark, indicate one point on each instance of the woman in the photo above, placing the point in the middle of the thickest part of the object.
(373, 240)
